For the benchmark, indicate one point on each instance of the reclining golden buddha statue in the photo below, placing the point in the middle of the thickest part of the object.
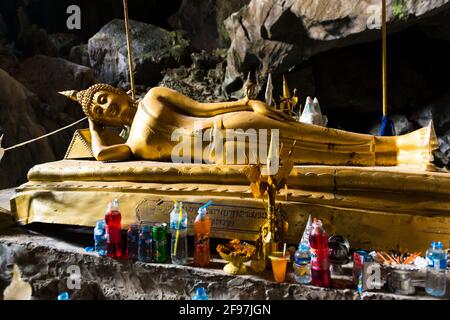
(163, 110)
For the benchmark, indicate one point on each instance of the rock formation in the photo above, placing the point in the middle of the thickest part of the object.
(30, 106)
(154, 49)
(204, 21)
(275, 36)
(19, 122)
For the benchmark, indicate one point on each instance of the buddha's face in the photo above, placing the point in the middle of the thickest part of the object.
(111, 108)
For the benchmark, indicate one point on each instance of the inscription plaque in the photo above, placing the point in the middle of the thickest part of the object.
(228, 220)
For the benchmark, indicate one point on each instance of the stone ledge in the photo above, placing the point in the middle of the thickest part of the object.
(44, 261)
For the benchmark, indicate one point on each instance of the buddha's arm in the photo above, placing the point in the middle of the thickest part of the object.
(190, 107)
(105, 147)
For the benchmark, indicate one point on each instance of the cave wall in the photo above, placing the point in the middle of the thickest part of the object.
(204, 21)
(51, 15)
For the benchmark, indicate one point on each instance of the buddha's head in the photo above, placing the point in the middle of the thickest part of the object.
(105, 104)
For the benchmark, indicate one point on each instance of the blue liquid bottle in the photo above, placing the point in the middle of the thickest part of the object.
(145, 247)
(436, 279)
(100, 238)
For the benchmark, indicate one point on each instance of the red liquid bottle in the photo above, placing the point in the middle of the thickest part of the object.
(113, 219)
(320, 263)
(202, 228)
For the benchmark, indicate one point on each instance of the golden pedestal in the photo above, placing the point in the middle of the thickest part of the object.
(374, 207)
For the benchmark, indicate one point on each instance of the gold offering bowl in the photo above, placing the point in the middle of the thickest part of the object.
(237, 254)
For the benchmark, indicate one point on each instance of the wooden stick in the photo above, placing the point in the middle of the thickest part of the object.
(383, 258)
(384, 54)
(410, 259)
(130, 50)
(389, 257)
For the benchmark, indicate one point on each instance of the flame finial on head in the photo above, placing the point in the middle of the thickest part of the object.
(71, 94)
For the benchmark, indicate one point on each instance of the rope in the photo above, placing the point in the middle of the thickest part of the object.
(384, 55)
(130, 51)
(45, 135)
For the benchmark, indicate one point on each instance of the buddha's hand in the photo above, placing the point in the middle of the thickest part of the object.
(94, 126)
(265, 110)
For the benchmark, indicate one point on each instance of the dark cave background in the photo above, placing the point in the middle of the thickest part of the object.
(51, 14)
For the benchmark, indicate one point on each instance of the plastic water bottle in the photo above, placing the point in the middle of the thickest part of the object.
(145, 244)
(302, 257)
(178, 229)
(436, 279)
(100, 238)
(133, 241)
(200, 294)
(202, 228)
(320, 263)
(302, 266)
(113, 219)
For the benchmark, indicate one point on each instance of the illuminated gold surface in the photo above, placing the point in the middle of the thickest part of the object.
(163, 111)
(375, 207)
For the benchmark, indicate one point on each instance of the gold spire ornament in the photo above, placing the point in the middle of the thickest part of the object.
(287, 103)
(269, 91)
(249, 88)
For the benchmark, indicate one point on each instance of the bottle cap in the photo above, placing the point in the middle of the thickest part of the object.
(317, 223)
(100, 224)
(202, 212)
(200, 292)
(134, 226)
(145, 228)
(438, 245)
(114, 205)
(63, 296)
(303, 247)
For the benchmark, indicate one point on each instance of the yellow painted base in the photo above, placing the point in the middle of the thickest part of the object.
(375, 208)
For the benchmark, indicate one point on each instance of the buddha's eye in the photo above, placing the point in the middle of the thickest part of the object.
(98, 110)
(102, 99)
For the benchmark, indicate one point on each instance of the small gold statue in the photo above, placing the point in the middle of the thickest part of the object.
(266, 187)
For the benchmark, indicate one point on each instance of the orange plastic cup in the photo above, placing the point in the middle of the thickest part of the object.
(279, 265)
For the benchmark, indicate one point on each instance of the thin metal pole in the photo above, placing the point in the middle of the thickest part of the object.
(384, 62)
(130, 50)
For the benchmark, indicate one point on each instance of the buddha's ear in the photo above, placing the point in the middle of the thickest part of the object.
(71, 94)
